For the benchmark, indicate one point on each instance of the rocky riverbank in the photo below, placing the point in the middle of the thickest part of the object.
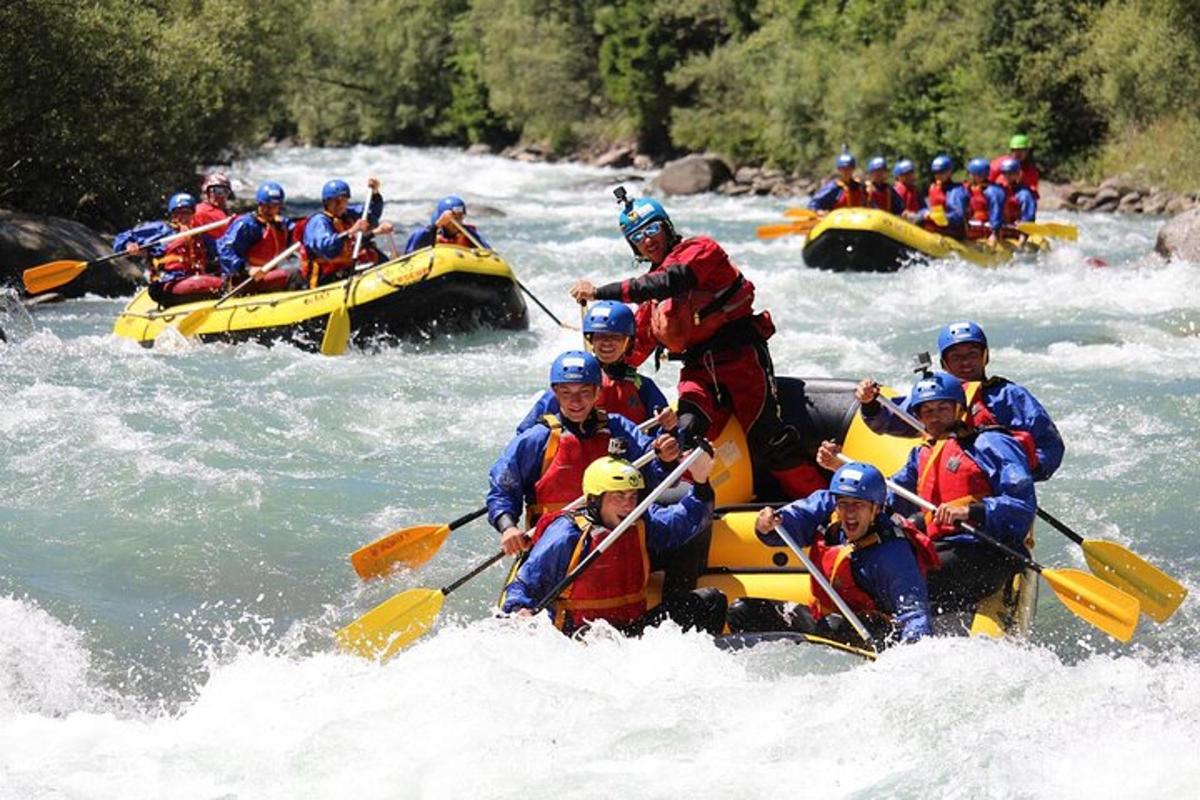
(27, 240)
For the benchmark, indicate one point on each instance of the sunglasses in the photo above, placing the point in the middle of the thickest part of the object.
(221, 190)
(653, 229)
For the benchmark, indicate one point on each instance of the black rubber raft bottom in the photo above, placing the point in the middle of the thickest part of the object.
(858, 251)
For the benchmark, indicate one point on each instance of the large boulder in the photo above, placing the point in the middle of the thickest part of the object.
(27, 240)
(1180, 237)
(692, 175)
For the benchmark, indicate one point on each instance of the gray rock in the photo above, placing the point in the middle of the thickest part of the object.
(1131, 203)
(643, 161)
(1177, 205)
(734, 189)
(1105, 206)
(1121, 184)
(27, 240)
(480, 149)
(1156, 203)
(1180, 237)
(1104, 196)
(746, 174)
(1052, 196)
(692, 175)
(619, 156)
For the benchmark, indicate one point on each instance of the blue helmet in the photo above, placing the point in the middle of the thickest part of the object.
(269, 192)
(938, 386)
(1010, 165)
(450, 202)
(958, 333)
(903, 167)
(978, 167)
(859, 480)
(845, 160)
(180, 200)
(334, 189)
(609, 316)
(640, 213)
(942, 163)
(575, 366)
(878, 162)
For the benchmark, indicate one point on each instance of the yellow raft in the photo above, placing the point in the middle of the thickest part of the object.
(432, 290)
(870, 240)
(740, 565)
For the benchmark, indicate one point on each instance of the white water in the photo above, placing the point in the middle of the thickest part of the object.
(175, 521)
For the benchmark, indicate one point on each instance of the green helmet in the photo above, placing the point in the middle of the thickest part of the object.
(1019, 142)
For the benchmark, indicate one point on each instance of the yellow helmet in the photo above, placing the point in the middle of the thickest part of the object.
(610, 474)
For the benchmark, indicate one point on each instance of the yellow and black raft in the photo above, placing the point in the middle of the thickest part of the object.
(433, 290)
(869, 240)
(741, 565)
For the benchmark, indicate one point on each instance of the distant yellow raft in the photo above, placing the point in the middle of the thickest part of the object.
(432, 290)
(869, 240)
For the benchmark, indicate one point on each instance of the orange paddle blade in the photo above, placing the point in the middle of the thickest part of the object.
(801, 213)
(49, 276)
(785, 229)
(409, 547)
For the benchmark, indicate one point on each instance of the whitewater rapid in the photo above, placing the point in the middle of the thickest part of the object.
(175, 523)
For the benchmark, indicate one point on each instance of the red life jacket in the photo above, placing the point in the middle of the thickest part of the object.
(937, 194)
(681, 323)
(613, 588)
(342, 261)
(980, 416)
(1030, 175)
(834, 561)
(274, 240)
(908, 195)
(455, 238)
(853, 195)
(946, 474)
(1012, 209)
(206, 213)
(619, 395)
(186, 255)
(879, 196)
(563, 462)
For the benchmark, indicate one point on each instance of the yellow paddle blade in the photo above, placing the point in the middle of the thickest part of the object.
(194, 321)
(1091, 599)
(409, 547)
(1158, 593)
(392, 624)
(785, 229)
(337, 333)
(938, 215)
(801, 213)
(1057, 230)
(49, 276)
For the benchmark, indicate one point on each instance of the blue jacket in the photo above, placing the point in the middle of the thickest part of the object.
(150, 231)
(240, 236)
(322, 241)
(511, 479)
(425, 237)
(888, 571)
(667, 527)
(1027, 203)
(1011, 404)
(1008, 512)
(995, 205)
(957, 203)
(647, 390)
(825, 198)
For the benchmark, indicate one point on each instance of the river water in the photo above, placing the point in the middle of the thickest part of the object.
(175, 524)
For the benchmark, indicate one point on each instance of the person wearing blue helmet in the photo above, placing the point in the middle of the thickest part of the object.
(698, 307)
(878, 188)
(979, 476)
(447, 225)
(1020, 203)
(981, 202)
(942, 212)
(257, 237)
(609, 328)
(991, 401)
(842, 191)
(331, 235)
(541, 469)
(1019, 148)
(905, 187)
(875, 561)
(181, 271)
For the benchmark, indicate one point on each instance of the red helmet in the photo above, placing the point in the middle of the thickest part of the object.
(217, 179)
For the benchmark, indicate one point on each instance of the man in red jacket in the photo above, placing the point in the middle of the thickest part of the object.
(698, 307)
(1020, 150)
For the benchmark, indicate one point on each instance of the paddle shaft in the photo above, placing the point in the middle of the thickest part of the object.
(616, 532)
(824, 583)
(167, 239)
(478, 569)
(254, 272)
(358, 240)
(520, 285)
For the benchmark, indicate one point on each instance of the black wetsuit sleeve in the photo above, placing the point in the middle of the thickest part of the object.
(671, 282)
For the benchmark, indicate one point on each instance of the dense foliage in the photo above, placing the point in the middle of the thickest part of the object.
(111, 105)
